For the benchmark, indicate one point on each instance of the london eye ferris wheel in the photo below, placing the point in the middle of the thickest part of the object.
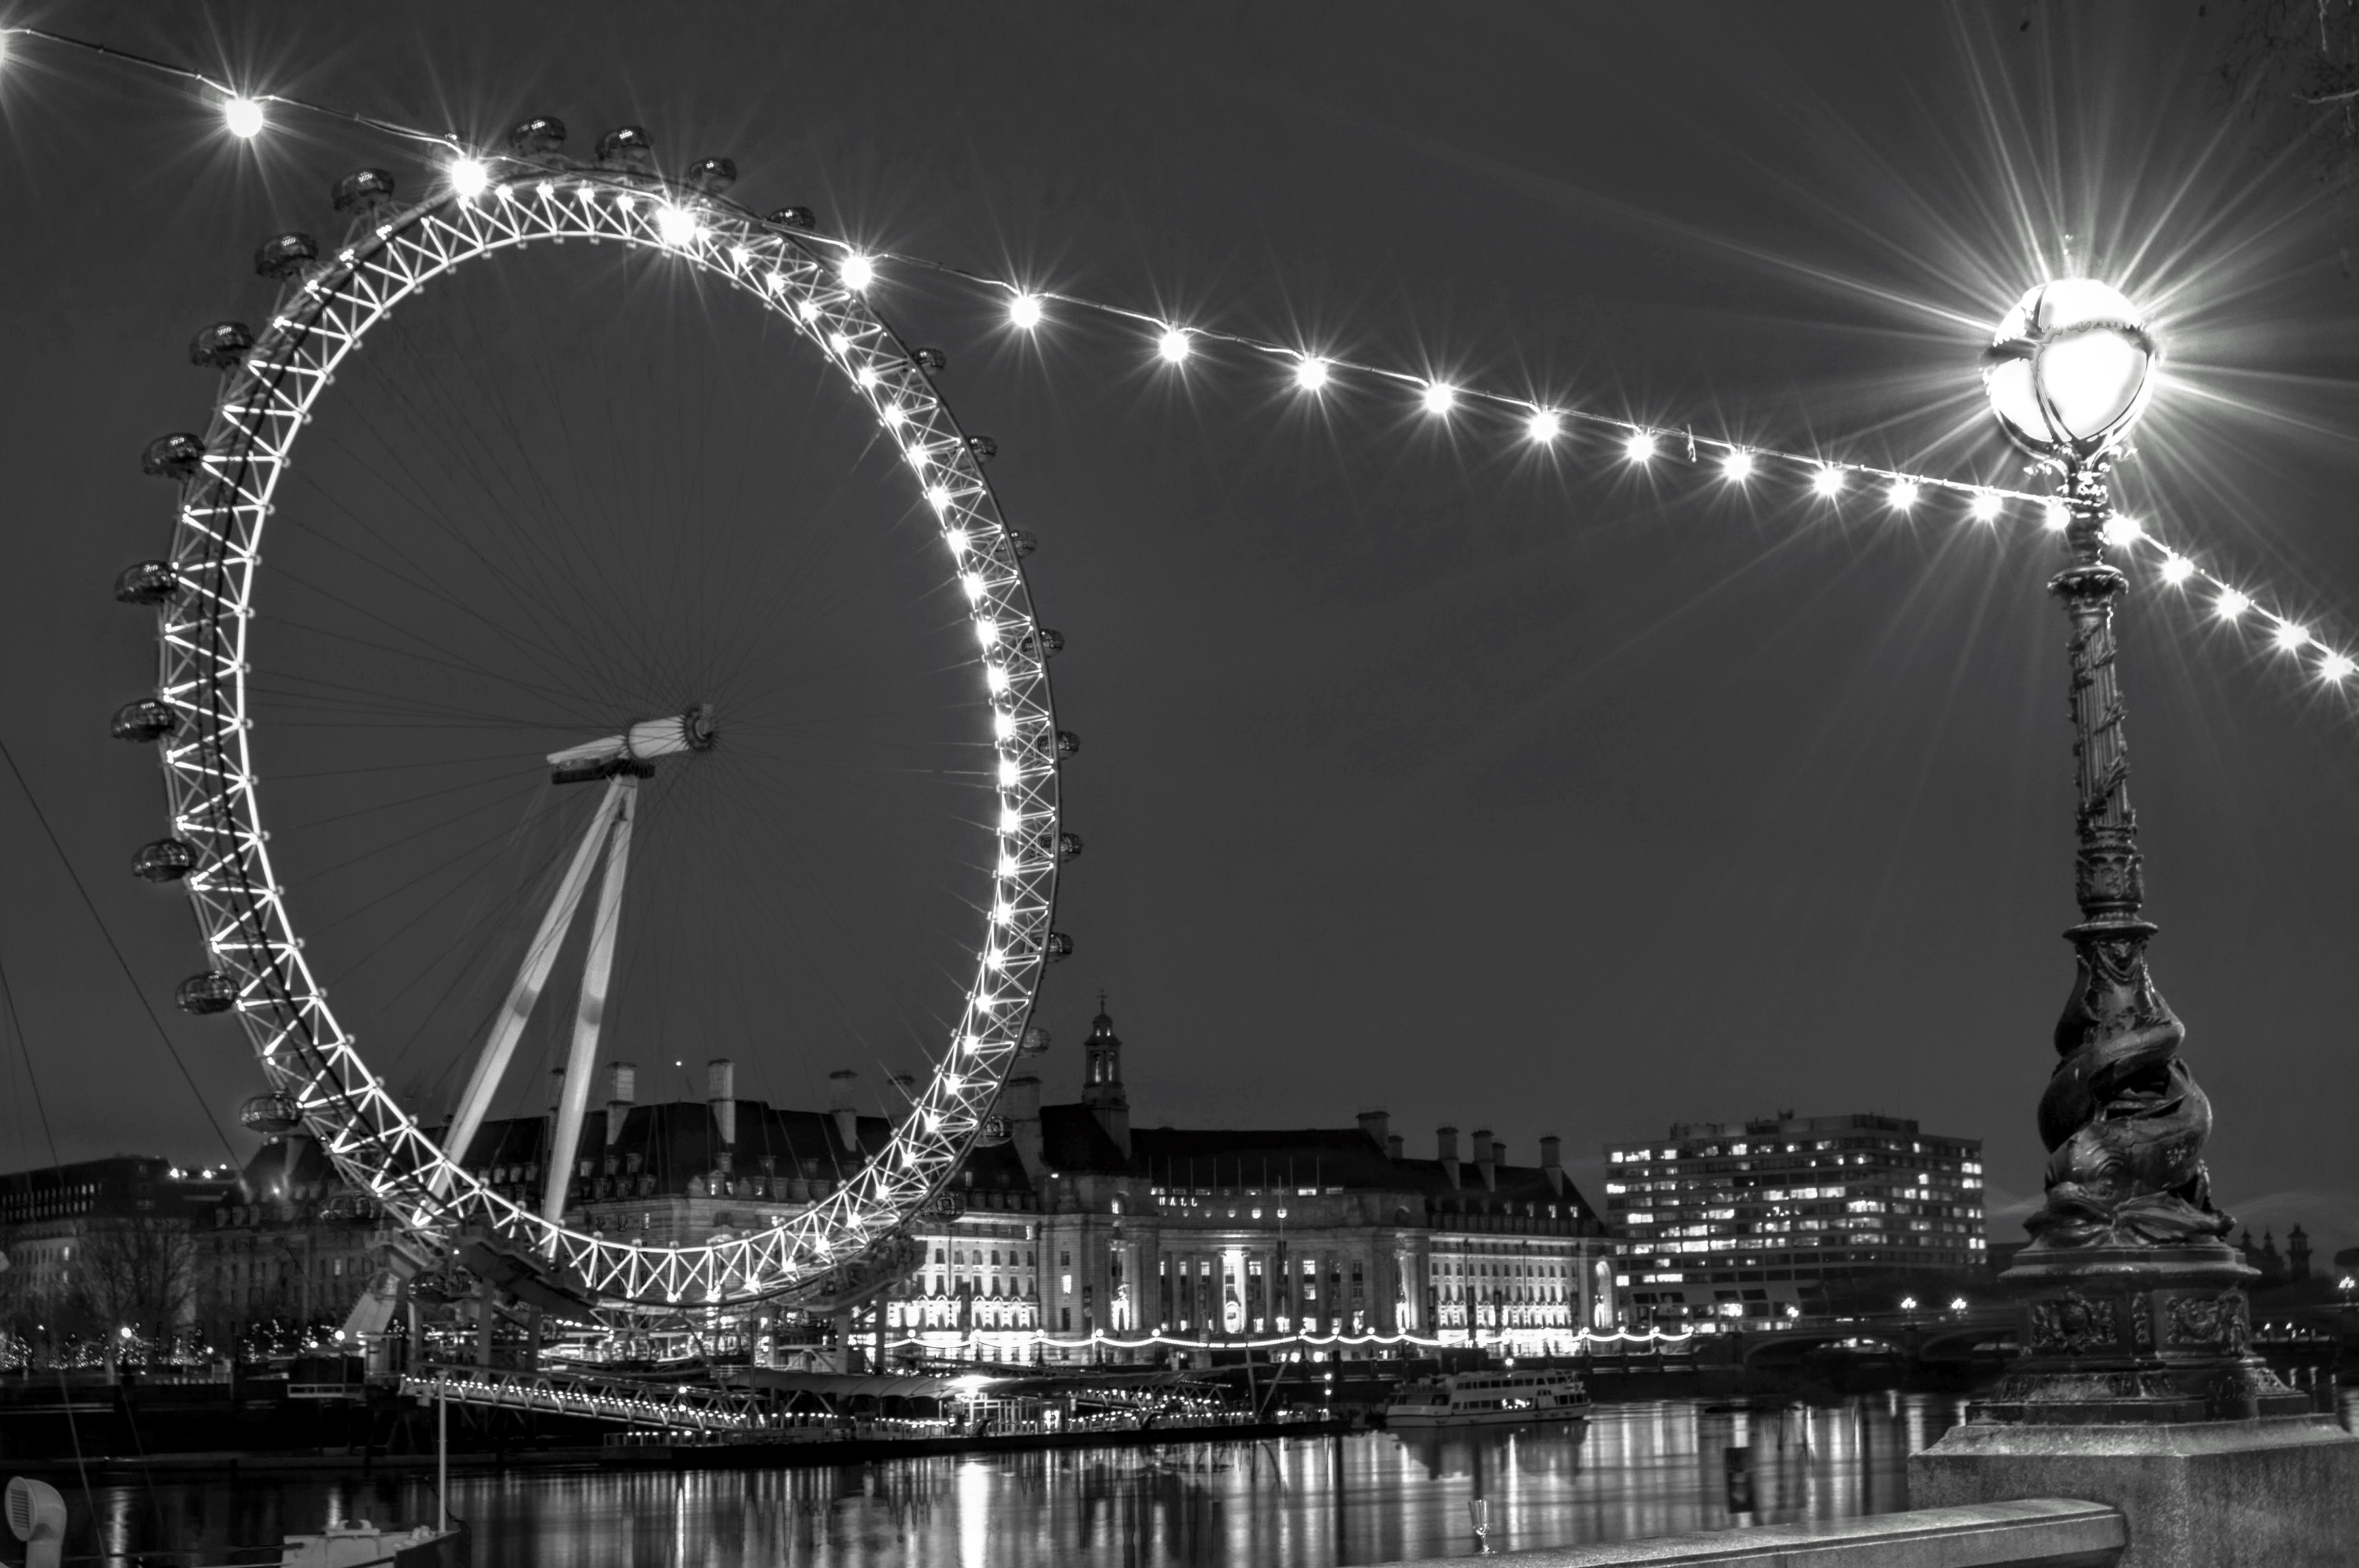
(587, 633)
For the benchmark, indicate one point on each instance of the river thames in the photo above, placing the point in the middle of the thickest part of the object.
(1370, 1496)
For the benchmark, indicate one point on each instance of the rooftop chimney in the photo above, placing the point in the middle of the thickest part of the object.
(623, 1087)
(1486, 1158)
(1553, 1163)
(1019, 1106)
(1375, 1123)
(840, 1086)
(1446, 1139)
(1394, 1143)
(721, 1093)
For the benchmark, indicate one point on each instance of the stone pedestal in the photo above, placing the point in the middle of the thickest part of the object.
(2275, 1492)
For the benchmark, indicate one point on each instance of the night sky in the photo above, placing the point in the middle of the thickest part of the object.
(1421, 772)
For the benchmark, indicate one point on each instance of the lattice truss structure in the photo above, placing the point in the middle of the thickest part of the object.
(206, 607)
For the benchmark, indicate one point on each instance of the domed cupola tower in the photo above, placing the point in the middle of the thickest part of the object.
(1102, 1088)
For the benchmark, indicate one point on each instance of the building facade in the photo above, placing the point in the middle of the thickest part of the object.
(1726, 1222)
(1157, 1241)
(90, 1249)
(1074, 1236)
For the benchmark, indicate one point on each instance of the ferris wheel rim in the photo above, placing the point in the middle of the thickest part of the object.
(322, 314)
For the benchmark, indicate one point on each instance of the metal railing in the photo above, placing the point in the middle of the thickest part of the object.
(683, 1407)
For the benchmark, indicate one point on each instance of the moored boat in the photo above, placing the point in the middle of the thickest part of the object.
(1488, 1399)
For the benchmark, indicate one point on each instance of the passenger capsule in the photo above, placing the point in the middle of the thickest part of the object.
(712, 176)
(146, 582)
(282, 257)
(794, 217)
(541, 133)
(362, 190)
(983, 448)
(933, 361)
(1069, 846)
(1035, 1041)
(174, 457)
(1059, 946)
(211, 993)
(1052, 642)
(273, 1116)
(165, 861)
(1022, 542)
(991, 1133)
(1067, 743)
(628, 146)
(149, 719)
(221, 345)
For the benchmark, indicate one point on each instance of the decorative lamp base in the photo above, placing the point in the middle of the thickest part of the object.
(2147, 1334)
(2138, 1388)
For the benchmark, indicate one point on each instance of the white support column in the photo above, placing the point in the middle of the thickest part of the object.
(597, 974)
(539, 959)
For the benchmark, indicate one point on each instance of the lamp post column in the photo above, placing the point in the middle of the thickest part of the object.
(2133, 1302)
(2138, 1385)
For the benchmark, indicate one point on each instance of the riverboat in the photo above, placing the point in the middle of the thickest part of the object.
(1488, 1399)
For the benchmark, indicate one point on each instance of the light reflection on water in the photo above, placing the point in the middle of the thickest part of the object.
(1632, 1470)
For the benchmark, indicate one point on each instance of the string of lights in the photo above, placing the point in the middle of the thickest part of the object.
(1580, 1339)
(2210, 594)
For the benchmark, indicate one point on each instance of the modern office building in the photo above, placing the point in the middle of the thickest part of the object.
(1726, 1222)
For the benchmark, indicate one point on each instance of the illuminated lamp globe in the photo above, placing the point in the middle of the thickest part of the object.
(2071, 369)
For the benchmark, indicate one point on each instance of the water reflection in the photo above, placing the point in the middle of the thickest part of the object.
(1632, 1470)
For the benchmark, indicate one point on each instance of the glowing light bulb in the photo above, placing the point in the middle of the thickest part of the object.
(973, 583)
(1010, 776)
(1310, 372)
(1545, 425)
(1173, 346)
(1737, 467)
(1438, 397)
(1024, 311)
(956, 538)
(1828, 482)
(2231, 604)
(808, 310)
(1011, 821)
(2120, 531)
(1985, 506)
(2290, 637)
(1902, 496)
(2336, 667)
(986, 632)
(2056, 517)
(1639, 448)
(244, 118)
(938, 496)
(2176, 569)
(856, 271)
(1003, 726)
(468, 178)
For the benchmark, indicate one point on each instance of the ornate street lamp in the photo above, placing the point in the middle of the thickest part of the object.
(2134, 1305)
